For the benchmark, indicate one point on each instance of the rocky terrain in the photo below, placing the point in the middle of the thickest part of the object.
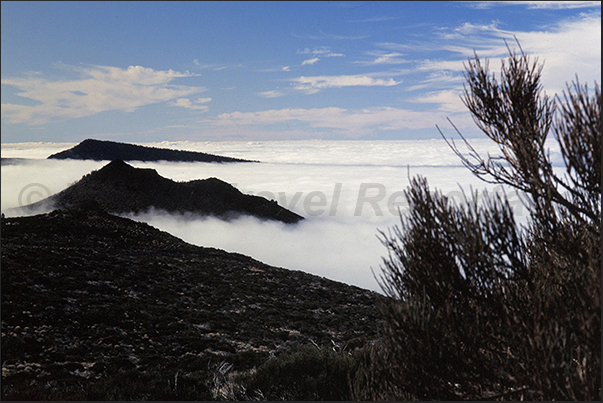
(100, 150)
(98, 307)
(121, 188)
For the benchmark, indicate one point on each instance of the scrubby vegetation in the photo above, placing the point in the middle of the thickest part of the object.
(98, 307)
(308, 374)
(480, 307)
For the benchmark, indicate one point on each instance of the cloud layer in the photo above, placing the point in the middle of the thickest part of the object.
(352, 123)
(347, 190)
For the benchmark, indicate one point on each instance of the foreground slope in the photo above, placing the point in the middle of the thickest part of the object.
(120, 188)
(93, 299)
(100, 150)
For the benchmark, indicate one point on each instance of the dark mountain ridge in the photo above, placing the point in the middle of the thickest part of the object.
(100, 150)
(120, 188)
(98, 307)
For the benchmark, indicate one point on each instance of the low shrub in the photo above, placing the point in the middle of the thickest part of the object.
(309, 373)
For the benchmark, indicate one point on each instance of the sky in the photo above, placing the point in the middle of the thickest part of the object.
(253, 71)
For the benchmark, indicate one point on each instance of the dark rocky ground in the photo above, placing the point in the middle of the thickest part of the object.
(98, 307)
(99, 150)
(120, 188)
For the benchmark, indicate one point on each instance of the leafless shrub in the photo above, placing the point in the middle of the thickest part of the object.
(479, 307)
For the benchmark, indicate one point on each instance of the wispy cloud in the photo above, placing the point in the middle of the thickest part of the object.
(468, 29)
(446, 77)
(216, 67)
(567, 48)
(271, 94)
(377, 19)
(196, 105)
(310, 61)
(324, 35)
(348, 123)
(447, 100)
(555, 5)
(342, 37)
(314, 115)
(314, 84)
(320, 51)
(380, 57)
(274, 69)
(98, 89)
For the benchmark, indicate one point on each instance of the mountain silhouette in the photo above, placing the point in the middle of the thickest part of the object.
(121, 188)
(100, 150)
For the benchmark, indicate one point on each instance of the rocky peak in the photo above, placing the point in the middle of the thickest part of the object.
(121, 188)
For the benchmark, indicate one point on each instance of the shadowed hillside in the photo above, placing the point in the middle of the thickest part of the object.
(98, 307)
(121, 188)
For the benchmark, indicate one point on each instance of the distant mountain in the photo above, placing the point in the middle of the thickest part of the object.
(120, 188)
(99, 307)
(12, 161)
(99, 150)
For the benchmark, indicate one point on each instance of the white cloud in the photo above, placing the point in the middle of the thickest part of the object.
(318, 53)
(310, 61)
(444, 78)
(286, 68)
(448, 100)
(567, 48)
(571, 47)
(384, 58)
(196, 105)
(271, 94)
(555, 5)
(441, 66)
(314, 84)
(99, 89)
(469, 28)
(321, 51)
(350, 123)
(216, 67)
(273, 116)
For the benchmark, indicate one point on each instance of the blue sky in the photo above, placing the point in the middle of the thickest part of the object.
(211, 71)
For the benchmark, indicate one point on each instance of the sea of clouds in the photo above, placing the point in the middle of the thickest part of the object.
(348, 191)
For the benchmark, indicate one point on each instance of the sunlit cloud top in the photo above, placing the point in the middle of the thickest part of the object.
(270, 70)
